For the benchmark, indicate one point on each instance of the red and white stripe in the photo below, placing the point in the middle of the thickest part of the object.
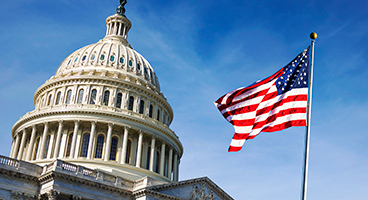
(258, 108)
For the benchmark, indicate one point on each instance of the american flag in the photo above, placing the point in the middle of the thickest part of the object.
(272, 104)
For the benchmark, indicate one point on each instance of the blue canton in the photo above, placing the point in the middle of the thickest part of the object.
(295, 74)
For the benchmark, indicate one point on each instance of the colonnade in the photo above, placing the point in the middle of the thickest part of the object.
(99, 141)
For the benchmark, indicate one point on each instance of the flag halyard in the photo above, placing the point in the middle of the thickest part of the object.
(272, 104)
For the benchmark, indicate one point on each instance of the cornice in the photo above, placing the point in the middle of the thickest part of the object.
(20, 175)
(145, 192)
(53, 175)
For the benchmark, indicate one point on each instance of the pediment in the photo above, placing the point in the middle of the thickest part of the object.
(193, 189)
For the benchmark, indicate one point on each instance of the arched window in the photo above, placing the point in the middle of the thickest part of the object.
(114, 147)
(166, 168)
(127, 156)
(148, 157)
(36, 148)
(93, 97)
(85, 144)
(150, 111)
(158, 115)
(157, 159)
(47, 142)
(99, 146)
(69, 144)
(58, 98)
(131, 103)
(141, 107)
(118, 100)
(68, 96)
(106, 98)
(49, 101)
(80, 95)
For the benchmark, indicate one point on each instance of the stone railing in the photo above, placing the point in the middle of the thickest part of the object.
(9, 161)
(20, 166)
(77, 170)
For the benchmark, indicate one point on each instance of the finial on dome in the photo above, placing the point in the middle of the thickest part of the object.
(121, 10)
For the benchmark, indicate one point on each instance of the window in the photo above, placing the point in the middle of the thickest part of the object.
(127, 156)
(76, 59)
(84, 58)
(80, 95)
(118, 100)
(121, 60)
(106, 98)
(148, 157)
(93, 97)
(130, 63)
(141, 107)
(49, 101)
(157, 161)
(93, 56)
(68, 96)
(150, 111)
(58, 98)
(112, 58)
(47, 142)
(99, 146)
(158, 115)
(114, 147)
(36, 148)
(131, 103)
(102, 57)
(85, 144)
(67, 154)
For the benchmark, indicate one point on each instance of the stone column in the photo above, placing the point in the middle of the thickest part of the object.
(91, 137)
(22, 144)
(51, 144)
(74, 138)
(152, 156)
(176, 166)
(31, 143)
(119, 33)
(108, 142)
(139, 149)
(58, 138)
(44, 135)
(12, 149)
(125, 142)
(169, 165)
(134, 151)
(162, 159)
(17, 141)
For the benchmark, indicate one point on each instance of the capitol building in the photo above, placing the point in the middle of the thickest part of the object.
(100, 130)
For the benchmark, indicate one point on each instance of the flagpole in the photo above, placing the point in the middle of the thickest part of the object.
(313, 36)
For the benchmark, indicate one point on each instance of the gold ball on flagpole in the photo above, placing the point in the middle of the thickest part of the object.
(313, 35)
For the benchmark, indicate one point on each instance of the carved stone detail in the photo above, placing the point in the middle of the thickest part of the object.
(15, 195)
(73, 197)
(200, 194)
(29, 197)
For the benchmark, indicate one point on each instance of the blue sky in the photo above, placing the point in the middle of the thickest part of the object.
(201, 50)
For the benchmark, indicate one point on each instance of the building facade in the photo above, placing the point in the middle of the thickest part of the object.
(100, 130)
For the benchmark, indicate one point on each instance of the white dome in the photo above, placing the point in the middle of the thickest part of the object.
(104, 109)
(113, 53)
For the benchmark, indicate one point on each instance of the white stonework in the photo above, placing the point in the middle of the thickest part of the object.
(100, 130)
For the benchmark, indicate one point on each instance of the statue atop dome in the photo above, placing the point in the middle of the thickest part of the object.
(121, 10)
